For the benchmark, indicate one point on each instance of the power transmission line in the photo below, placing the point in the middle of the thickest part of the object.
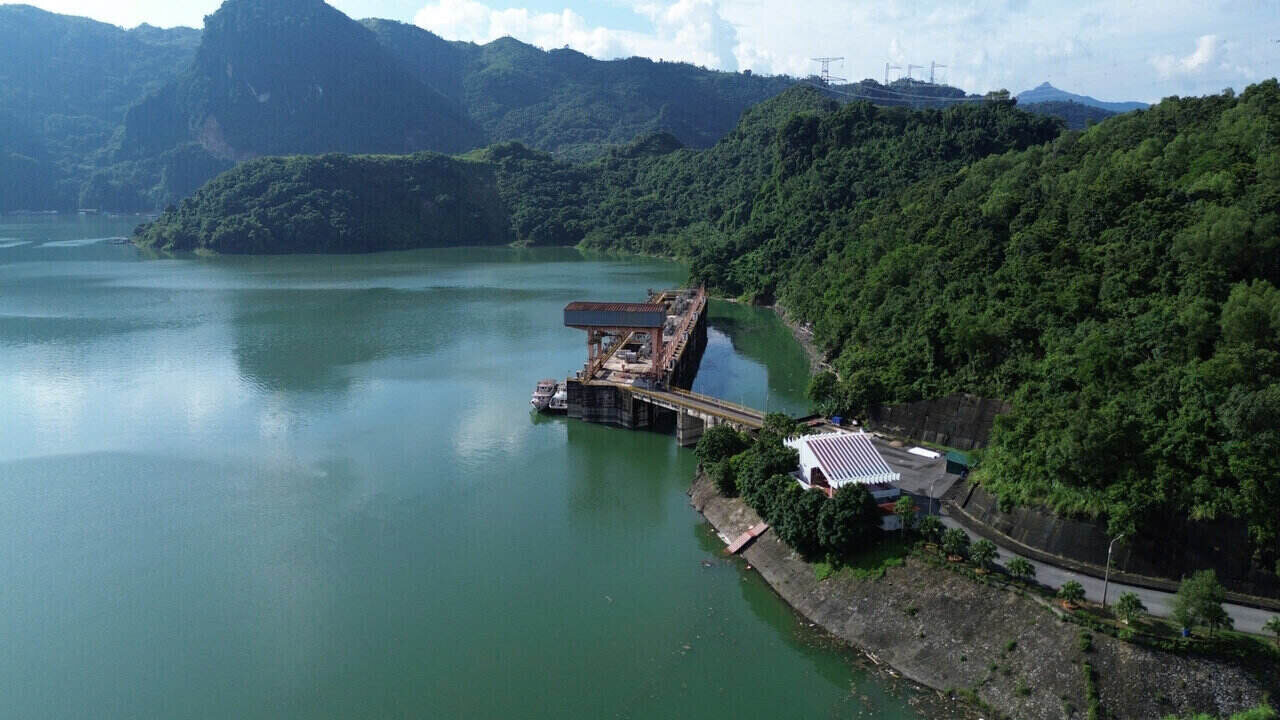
(826, 76)
(909, 96)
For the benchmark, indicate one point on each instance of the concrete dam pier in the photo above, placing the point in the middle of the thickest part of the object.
(642, 359)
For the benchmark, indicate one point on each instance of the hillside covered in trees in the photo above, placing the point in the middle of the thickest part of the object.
(94, 116)
(1118, 285)
(176, 107)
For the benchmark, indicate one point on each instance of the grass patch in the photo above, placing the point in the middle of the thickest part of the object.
(1091, 692)
(872, 563)
(823, 570)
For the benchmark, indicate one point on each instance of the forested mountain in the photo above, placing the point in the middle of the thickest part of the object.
(96, 116)
(1044, 92)
(568, 103)
(338, 204)
(1118, 285)
(297, 76)
(65, 84)
(1077, 116)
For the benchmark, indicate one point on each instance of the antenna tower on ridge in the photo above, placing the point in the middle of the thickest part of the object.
(887, 68)
(933, 66)
(826, 76)
(909, 69)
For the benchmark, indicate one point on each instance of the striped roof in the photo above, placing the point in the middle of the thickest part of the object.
(846, 458)
(615, 307)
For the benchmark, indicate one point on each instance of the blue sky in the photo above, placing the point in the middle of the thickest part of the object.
(1112, 49)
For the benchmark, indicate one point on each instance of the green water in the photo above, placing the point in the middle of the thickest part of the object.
(311, 487)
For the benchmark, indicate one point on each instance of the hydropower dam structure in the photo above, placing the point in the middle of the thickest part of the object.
(641, 362)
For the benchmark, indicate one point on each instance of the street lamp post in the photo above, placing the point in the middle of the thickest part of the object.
(931, 486)
(1106, 578)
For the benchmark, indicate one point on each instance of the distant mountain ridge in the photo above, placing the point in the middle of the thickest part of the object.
(1044, 92)
(92, 115)
(1076, 115)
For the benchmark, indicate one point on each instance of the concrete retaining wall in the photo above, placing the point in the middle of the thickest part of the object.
(960, 420)
(1159, 562)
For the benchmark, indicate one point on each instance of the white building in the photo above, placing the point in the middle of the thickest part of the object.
(832, 460)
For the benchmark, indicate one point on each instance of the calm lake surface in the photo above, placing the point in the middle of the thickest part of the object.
(311, 487)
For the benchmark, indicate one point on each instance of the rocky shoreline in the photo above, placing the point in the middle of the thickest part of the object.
(997, 649)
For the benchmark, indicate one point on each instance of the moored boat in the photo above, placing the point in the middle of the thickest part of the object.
(560, 400)
(543, 392)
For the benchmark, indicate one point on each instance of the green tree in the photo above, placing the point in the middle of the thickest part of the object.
(824, 393)
(955, 542)
(1199, 601)
(780, 425)
(1216, 617)
(905, 509)
(983, 553)
(721, 473)
(930, 528)
(795, 513)
(719, 443)
(848, 522)
(1129, 607)
(1071, 592)
(1273, 626)
(1020, 568)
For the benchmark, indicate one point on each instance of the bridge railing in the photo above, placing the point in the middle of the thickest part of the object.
(712, 400)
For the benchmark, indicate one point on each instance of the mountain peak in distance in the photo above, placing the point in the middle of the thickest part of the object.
(1044, 92)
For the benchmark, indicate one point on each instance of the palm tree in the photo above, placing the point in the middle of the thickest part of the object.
(930, 527)
(982, 553)
(955, 542)
(1020, 569)
(1071, 593)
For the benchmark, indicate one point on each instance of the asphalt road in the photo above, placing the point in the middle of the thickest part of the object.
(928, 478)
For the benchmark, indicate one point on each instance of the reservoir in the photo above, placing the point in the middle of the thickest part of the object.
(312, 487)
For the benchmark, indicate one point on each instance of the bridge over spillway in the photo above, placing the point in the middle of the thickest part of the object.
(641, 361)
(696, 412)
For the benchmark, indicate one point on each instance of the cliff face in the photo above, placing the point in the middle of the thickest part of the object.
(297, 76)
(944, 631)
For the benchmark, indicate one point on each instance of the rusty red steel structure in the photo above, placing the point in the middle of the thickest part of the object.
(624, 320)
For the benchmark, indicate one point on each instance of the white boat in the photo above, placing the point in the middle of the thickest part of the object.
(560, 400)
(542, 394)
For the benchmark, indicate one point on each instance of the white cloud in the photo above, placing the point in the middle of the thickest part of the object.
(1206, 50)
(688, 30)
(1116, 51)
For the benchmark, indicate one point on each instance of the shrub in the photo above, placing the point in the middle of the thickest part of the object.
(930, 528)
(1199, 600)
(905, 509)
(1085, 641)
(721, 473)
(955, 542)
(1273, 627)
(1071, 591)
(1129, 607)
(983, 553)
(1020, 568)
